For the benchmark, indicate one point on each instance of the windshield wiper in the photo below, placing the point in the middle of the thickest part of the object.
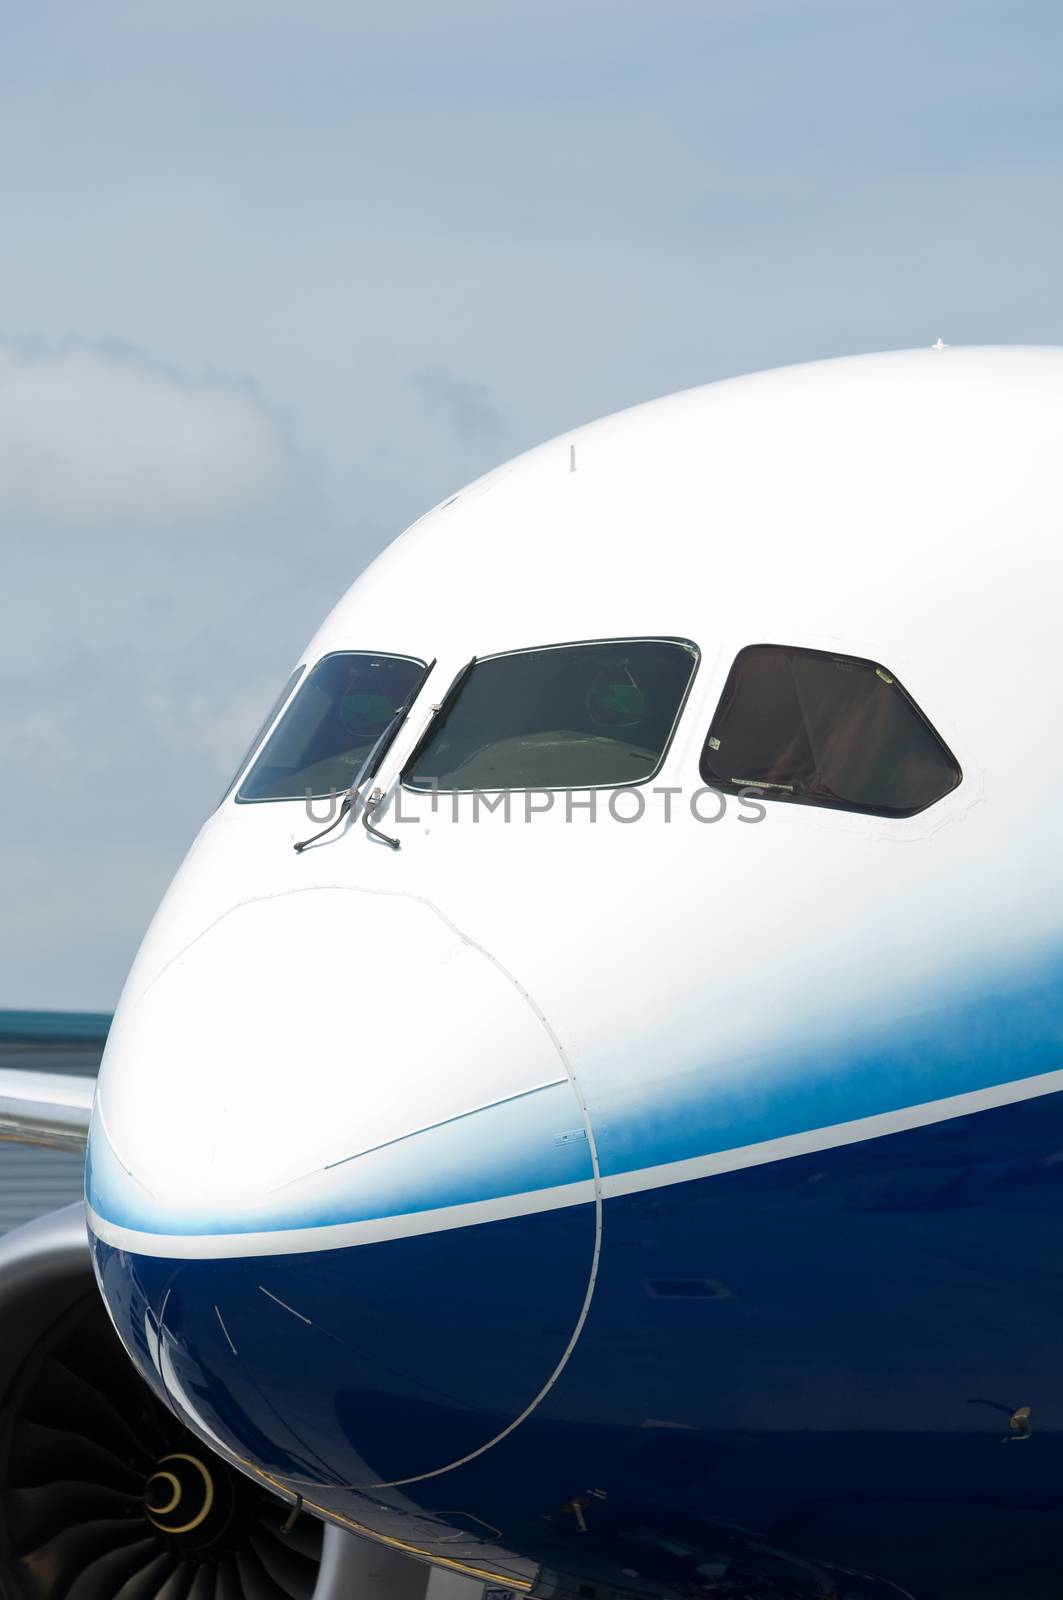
(372, 761)
(440, 713)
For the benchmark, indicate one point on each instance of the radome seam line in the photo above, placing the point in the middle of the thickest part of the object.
(529, 1000)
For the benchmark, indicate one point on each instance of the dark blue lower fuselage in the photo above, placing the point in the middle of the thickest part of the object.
(788, 1373)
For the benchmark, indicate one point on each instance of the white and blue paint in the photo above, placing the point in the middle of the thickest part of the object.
(637, 1211)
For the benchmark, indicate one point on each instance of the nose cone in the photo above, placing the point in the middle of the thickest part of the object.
(341, 1188)
(322, 1057)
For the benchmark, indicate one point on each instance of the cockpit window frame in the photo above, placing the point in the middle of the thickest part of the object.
(310, 668)
(689, 645)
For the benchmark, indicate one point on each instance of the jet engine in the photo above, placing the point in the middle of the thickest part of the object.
(104, 1494)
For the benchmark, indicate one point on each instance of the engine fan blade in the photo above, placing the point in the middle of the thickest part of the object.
(256, 1582)
(54, 1566)
(178, 1585)
(109, 1572)
(63, 1396)
(146, 1584)
(36, 1451)
(203, 1587)
(228, 1586)
(295, 1573)
(47, 1509)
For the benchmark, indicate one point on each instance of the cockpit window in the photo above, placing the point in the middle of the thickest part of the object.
(573, 716)
(331, 726)
(825, 730)
(263, 728)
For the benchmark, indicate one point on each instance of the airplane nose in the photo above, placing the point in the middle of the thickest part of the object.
(316, 1134)
(364, 1366)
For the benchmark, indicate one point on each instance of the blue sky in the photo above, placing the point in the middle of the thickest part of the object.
(276, 278)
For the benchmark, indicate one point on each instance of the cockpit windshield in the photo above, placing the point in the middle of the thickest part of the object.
(573, 716)
(324, 737)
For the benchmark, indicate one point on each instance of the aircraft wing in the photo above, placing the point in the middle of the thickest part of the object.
(48, 1063)
(48, 1108)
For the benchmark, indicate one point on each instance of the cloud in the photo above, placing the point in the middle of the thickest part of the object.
(98, 439)
(468, 408)
(440, 234)
(169, 560)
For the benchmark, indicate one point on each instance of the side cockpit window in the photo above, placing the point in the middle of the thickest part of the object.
(263, 728)
(331, 727)
(825, 730)
(571, 716)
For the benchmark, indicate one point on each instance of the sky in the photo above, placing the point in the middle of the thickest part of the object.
(276, 278)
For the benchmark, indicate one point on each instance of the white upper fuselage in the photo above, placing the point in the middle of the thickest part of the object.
(631, 992)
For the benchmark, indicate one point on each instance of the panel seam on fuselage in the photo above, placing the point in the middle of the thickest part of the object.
(594, 1183)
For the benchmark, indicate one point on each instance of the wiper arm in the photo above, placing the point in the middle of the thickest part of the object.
(371, 764)
(367, 821)
(440, 713)
(372, 761)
